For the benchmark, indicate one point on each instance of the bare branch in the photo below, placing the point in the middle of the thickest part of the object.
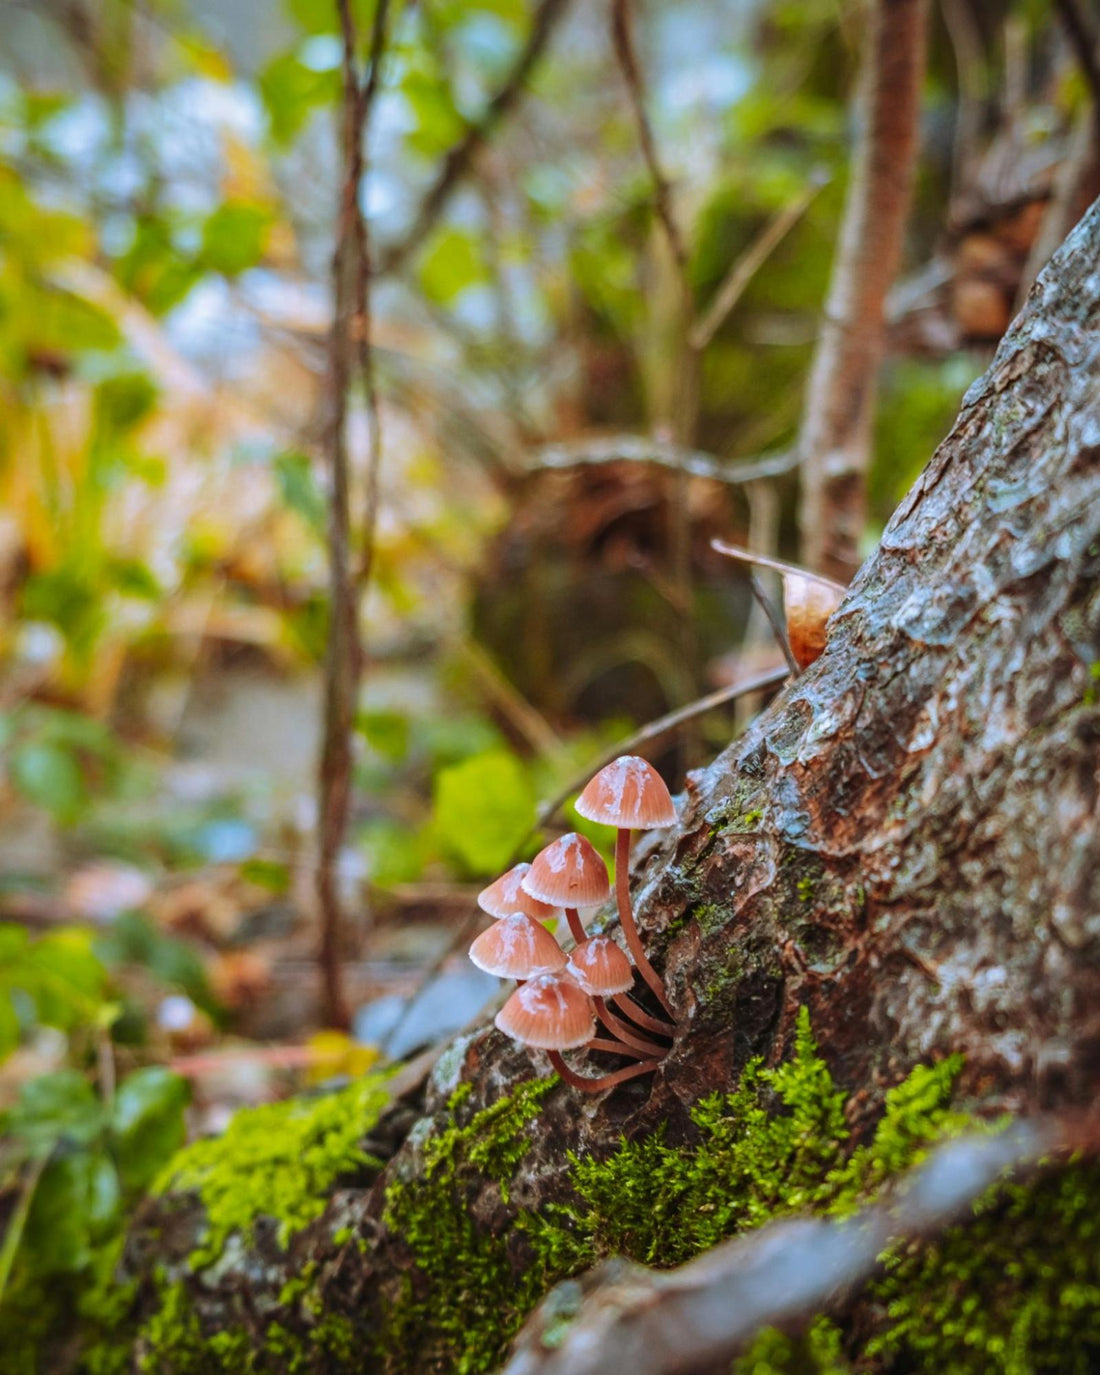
(622, 34)
(630, 448)
(628, 1318)
(460, 158)
(349, 348)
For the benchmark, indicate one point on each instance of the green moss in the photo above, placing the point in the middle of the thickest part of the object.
(819, 1351)
(463, 1300)
(805, 889)
(277, 1161)
(774, 1146)
(1015, 1291)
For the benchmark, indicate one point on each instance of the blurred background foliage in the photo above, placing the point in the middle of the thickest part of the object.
(168, 181)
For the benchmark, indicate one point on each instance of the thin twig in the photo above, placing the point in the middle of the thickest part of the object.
(363, 305)
(656, 730)
(775, 621)
(750, 262)
(622, 35)
(350, 272)
(459, 160)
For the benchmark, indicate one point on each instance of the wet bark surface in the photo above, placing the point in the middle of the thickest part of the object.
(907, 840)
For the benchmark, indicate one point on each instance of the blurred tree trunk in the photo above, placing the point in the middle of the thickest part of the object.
(906, 842)
(835, 441)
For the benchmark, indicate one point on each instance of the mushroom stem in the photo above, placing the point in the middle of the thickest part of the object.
(605, 1081)
(576, 926)
(625, 1032)
(626, 917)
(615, 1048)
(626, 1004)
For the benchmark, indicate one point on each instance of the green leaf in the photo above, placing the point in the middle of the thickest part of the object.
(291, 92)
(484, 809)
(9, 1025)
(147, 1122)
(55, 1107)
(233, 237)
(395, 852)
(65, 978)
(452, 264)
(48, 775)
(387, 733)
(299, 489)
(76, 1203)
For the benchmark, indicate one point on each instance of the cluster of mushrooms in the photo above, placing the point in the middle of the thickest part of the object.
(559, 998)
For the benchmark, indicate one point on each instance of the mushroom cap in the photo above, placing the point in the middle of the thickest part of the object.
(551, 1013)
(600, 967)
(808, 603)
(628, 793)
(506, 895)
(517, 947)
(568, 873)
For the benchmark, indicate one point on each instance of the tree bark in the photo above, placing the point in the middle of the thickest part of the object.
(835, 440)
(906, 842)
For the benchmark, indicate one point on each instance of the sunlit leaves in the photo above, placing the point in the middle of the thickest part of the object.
(484, 810)
(146, 1120)
(451, 264)
(233, 237)
(291, 92)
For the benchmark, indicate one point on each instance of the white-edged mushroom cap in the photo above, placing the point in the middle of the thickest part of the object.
(600, 967)
(628, 793)
(568, 873)
(517, 947)
(506, 895)
(550, 1013)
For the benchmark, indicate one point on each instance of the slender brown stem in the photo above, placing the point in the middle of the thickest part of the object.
(605, 1081)
(626, 916)
(615, 1048)
(625, 1032)
(626, 1004)
(576, 927)
(776, 623)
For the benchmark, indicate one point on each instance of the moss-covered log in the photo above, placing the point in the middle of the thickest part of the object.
(905, 844)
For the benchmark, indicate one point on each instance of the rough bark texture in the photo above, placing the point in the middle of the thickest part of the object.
(906, 842)
(835, 442)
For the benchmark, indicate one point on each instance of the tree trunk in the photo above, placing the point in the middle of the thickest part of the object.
(835, 440)
(905, 843)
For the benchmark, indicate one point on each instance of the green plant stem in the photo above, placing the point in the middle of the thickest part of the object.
(18, 1221)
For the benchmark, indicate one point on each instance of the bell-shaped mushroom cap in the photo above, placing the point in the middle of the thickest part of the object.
(600, 967)
(568, 873)
(506, 895)
(517, 947)
(550, 1012)
(808, 602)
(628, 793)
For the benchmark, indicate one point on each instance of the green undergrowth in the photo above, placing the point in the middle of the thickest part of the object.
(1016, 1290)
(776, 1145)
(278, 1161)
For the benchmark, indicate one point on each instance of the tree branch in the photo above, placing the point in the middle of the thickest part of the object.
(835, 439)
(460, 158)
(631, 448)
